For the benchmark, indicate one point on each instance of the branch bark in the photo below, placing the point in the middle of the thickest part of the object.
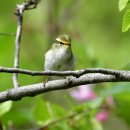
(19, 13)
(76, 73)
(35, 89)
(30, 4)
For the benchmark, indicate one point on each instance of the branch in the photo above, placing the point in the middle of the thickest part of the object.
(19, 13)
(68, 117)
(76, 73)
(81, 77)
(35, 89)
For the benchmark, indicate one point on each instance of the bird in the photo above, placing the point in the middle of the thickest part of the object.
(60, 56)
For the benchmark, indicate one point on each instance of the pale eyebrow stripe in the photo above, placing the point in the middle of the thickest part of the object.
(59, 40)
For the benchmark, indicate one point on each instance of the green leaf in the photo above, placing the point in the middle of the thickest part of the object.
(123, 106)
(122, 4)
(118, 89)
(5, 107)
(89, 104)
(126, 21)
(41, 113)
(45, 112)
(58, 111)
(96, 125)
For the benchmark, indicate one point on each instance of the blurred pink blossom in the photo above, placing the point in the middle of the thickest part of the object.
(84, 92)
(102, 116)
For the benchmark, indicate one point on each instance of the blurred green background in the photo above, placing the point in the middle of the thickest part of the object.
(97, 41)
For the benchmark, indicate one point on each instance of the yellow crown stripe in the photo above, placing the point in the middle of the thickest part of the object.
(60, 40)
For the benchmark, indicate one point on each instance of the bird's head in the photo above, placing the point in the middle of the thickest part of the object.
(62, 41)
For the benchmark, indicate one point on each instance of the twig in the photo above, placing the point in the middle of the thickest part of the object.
(35, 89)
(76, 73)
(57, 120)
(32, 3)
(19, 12)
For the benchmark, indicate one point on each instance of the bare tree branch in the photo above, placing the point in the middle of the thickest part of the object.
(35, 89)
(30, 4)
(76, 73)
(19, 13)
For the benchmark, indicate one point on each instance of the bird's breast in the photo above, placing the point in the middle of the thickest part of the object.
(62, 53)
(55, 58)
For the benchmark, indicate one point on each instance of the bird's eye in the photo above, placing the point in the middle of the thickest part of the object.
(58, 42)
(61, 43)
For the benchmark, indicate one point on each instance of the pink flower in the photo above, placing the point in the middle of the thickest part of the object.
(102, 116)
(83, 93)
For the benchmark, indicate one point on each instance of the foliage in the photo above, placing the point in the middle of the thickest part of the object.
(122, 4)
(5, 107)
(126, 19)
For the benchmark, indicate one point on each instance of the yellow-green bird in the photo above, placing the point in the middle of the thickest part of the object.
(60, 56)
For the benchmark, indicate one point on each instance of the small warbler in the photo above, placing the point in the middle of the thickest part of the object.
(60, 56)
